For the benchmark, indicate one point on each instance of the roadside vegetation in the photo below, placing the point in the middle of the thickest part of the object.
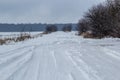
(67, 28)
(22, 37)
(101, 21)
(53, 28)
(50, 29)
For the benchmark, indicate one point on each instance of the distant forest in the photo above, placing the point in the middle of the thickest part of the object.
(31, 27)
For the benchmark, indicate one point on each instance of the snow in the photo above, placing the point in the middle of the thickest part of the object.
(15, 34)
(61, 56)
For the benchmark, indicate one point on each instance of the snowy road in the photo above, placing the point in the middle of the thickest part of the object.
(61, 56)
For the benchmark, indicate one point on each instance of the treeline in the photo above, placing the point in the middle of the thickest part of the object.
(101, 21)
(31, 27)
(54, 28)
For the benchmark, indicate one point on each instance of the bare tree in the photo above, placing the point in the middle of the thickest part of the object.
(103, 20)
(83, 25)
(51, 28)
(67, 28)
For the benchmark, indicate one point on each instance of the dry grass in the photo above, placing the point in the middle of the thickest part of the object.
(87, 34)
(22, 37)
(2, 41)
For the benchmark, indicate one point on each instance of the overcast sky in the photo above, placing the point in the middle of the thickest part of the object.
(44, 11)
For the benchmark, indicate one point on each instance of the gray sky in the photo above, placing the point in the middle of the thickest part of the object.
(44, 11)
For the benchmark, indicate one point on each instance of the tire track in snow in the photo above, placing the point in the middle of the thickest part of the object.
(70, 77)
(54, 58)
(112, 53)
(8, 71)
(63, 65)
(86, 70)
(4, 73)
(75, 64)
(13, 56)
(31, 70)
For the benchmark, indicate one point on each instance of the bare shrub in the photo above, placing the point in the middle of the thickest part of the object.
(51, 28)
(67, 28)
(83, 26)
(23, 37)
(2, 41)
(103, 20)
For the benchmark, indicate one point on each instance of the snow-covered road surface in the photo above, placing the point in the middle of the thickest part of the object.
(61, 56)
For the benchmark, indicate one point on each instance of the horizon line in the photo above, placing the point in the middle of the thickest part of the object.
(37, 23)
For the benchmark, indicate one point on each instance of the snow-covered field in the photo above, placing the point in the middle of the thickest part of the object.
(61, 56)
(15, 34)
